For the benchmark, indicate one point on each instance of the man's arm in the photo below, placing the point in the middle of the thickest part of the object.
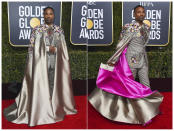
(53, 49)
(125, 36)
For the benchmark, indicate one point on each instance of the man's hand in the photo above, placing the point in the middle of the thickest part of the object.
(52, 49)
(110, 64)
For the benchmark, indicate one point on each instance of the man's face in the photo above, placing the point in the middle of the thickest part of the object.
(139, 14)
(49, 16)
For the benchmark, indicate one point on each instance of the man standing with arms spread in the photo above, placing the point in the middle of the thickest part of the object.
(136, 54)
(118, 96)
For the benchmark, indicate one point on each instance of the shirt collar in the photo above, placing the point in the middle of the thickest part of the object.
(47, 26)
(138, 25)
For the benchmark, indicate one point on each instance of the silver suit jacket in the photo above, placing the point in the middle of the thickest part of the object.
(135, 37)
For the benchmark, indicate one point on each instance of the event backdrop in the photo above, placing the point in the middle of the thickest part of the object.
(92, 23)
(24, 16)
(14, 58)
(158, 14)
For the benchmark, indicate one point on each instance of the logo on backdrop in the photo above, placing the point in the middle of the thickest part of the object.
(91, 23)
(24, 16)
(157, 15)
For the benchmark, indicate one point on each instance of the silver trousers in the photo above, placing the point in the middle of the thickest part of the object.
(142, 74)
(51, 72)
(51, 79)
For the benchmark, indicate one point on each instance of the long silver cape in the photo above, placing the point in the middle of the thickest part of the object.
(34, 105)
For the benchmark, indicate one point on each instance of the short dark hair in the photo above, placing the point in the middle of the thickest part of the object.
(48, 7)
(137, 7)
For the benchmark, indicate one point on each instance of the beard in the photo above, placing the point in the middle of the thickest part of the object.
(140, 19)
(49, 21)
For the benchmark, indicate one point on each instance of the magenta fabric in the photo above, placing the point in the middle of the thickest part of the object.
(121, 82)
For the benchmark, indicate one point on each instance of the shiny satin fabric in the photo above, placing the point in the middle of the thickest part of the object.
(118, 96)
(121, 46)
(120, 81)
(34, 105)
(126, 110)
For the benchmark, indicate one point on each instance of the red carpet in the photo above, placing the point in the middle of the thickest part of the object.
(77, 121)
(162, 121)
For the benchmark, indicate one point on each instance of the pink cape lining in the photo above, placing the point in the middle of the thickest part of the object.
(121, 82)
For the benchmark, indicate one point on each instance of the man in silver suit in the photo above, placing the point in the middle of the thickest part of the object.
(46, 95)
(135, 37)
(120, 106)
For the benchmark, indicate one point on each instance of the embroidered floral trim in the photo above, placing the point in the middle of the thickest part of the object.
(133, 60)
(43, 28)
(134, 27)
